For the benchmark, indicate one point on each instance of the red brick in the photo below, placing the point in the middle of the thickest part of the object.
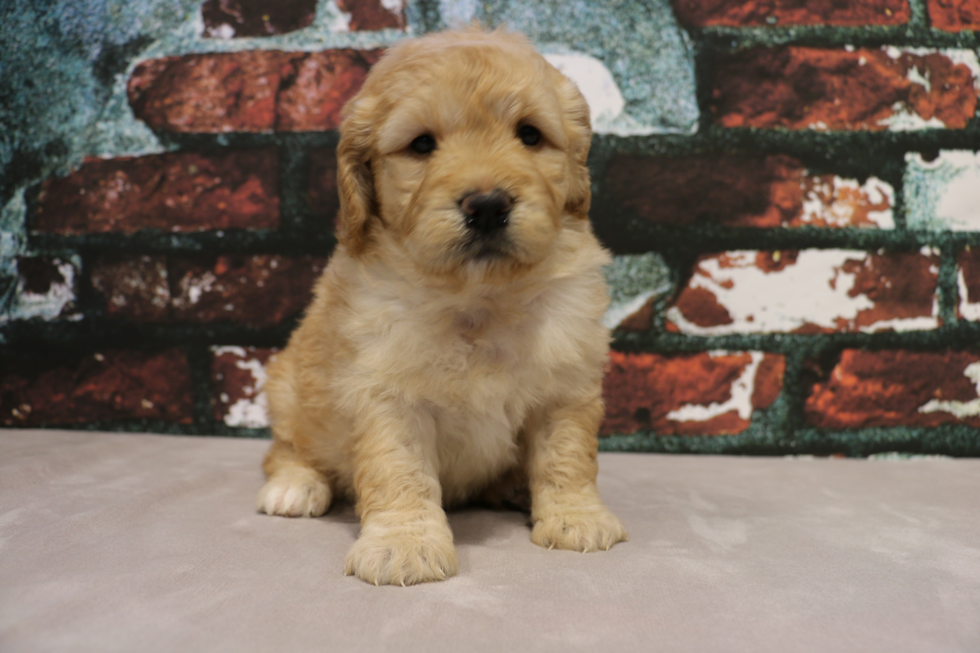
(709, 393)
(237, 376)
(743, 191)
(134, 288)
(323, 184)
(253, 91)
(180, 191)
(240, 18)
(741, 13)
(370, 15)
(112, 385)
(954, 15)
(811, 88)
(897, 388)
(812, 291)
(259, 290)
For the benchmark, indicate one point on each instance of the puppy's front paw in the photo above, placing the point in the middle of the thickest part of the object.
(403, 555)
(584, 529)
(295, 492)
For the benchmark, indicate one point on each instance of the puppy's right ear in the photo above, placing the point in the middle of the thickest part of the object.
(358, 203)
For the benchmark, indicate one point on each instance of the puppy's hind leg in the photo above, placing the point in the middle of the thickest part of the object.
(294, 489)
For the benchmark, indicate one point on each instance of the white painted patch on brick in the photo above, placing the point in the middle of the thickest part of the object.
(223, 31)
(968, 310)
(959, 409)
(194, 288)
(394, 6)
(812, 291)
(594, 81)
(740, 399)
(252, 410)
(840, 212)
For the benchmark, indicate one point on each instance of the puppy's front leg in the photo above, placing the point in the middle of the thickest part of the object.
(405, 537)
(565, 507)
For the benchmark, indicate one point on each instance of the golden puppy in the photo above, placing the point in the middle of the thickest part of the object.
(454, 349)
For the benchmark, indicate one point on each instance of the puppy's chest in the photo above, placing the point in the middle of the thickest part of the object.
(482, 356)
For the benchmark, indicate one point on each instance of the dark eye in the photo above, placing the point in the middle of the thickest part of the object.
(529, 135)
(423, 144)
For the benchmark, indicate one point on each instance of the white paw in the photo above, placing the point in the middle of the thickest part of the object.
(403, 555)
(588, 528)
(295, 492)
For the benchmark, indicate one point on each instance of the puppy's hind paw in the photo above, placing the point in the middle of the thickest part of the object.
(582, 529)
(295, 492)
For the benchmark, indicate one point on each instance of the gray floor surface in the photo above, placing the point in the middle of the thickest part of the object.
(117, 542)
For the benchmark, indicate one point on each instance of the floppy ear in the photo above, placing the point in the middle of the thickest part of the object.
(578, 126)
(358, 203)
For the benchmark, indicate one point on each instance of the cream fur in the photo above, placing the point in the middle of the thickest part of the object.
(423, 376)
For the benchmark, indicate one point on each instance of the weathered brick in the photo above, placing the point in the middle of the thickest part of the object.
(942, 190)
(709, 393)
(179, 191)
(237, 377)
(743, 191)
(954, 15)
(323, 184)
(809, 291)
(225, 19)
(46, 289)
(865, 89)
(739, 13)
(258, 290)
(370, 15)
(968, 280)
(134, 288)
(252, 91)
(111, 385)
(897, 388)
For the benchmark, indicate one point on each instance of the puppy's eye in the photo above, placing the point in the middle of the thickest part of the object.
(423, 144)
(529, 135)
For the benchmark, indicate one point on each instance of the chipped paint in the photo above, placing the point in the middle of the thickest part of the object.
(814, 291)
(633, 280)
(739, 401)
(251, 410)
(943, 194)
(960, 409)
(843, 202)
(904, 118)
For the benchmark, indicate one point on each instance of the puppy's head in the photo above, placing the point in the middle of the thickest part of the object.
(466, 150)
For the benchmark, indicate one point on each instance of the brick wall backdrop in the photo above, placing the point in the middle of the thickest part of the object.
(791, 189)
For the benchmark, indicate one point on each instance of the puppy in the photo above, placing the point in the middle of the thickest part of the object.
(454, 349)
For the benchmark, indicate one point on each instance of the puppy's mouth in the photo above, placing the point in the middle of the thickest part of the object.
(488, 247)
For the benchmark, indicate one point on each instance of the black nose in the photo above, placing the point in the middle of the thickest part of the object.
(486, 212)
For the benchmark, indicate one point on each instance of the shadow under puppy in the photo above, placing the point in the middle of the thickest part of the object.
(454, 345)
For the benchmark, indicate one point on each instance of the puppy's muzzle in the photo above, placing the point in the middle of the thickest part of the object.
(486, 213)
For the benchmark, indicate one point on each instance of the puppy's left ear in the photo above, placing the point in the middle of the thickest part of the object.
(355, 181)
(578, 127)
